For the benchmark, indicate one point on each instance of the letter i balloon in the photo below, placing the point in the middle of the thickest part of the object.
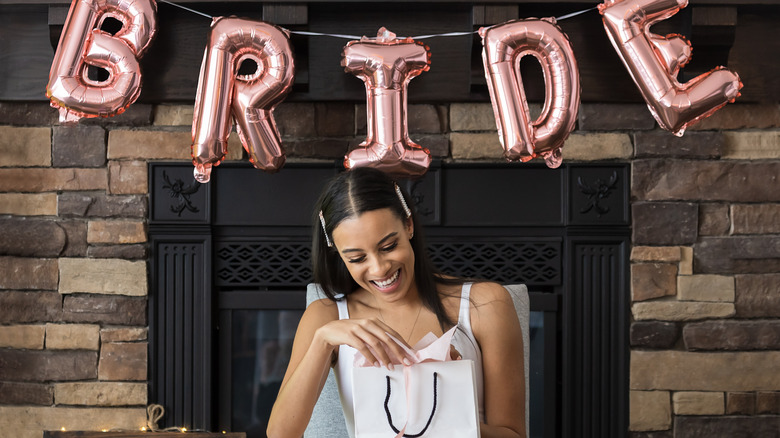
(386, 64)
(84, 44)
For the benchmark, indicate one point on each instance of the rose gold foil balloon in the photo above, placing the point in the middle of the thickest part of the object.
(653, 62)
(386, 65)
(503, 47)
(249, 99)
(83, 44)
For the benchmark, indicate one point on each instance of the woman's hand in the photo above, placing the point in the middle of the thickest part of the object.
(371, 337)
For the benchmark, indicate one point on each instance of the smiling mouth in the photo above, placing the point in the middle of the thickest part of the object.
(387, 283)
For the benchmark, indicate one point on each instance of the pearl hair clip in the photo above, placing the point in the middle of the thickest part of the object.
(327, 239)
(403, 201)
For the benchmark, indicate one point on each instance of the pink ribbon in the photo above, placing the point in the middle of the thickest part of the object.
(428, 349)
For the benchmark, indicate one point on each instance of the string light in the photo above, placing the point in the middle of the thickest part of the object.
(158, 412)
(145, 429)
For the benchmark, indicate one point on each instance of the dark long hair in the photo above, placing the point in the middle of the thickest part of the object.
(351, 194)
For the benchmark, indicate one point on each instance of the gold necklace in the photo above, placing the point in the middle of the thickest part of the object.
(408, 338)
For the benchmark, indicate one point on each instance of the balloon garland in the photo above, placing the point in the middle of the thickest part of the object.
(386, 64)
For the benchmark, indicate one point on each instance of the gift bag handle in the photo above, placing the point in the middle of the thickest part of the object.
(433, 410)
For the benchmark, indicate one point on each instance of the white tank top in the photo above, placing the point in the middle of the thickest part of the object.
(463, 340)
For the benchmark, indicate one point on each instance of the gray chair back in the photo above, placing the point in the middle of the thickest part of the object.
(327, 419)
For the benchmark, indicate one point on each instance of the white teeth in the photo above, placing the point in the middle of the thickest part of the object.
(389, 281)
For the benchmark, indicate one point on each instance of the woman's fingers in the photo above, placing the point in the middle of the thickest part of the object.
(454, 353)
(386, 329)
(363, 349)
(382, 340)
(401, 354)
(376, 341)
(372, 338)
(349, 332)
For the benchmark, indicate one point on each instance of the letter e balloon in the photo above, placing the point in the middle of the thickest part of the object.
(503, 47)
(654, 61)
(84, 44)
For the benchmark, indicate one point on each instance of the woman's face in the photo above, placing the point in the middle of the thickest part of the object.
(375, 248)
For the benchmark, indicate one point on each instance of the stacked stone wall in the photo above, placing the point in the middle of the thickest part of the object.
(705, 285)
(73, 276)
(705, 263)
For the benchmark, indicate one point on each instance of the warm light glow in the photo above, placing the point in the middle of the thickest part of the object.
(104, 430)
(183, 429)
(62, 428)
(143, 429)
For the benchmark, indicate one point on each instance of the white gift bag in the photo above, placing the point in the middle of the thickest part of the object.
(433, 398)
(429, 400)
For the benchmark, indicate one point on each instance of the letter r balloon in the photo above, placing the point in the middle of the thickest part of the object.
(224, 94)
(83, 44)
(504, 45)
(386, 65)
(654, 61)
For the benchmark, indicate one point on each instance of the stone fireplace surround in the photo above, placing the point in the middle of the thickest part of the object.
(242, 243)
(704, 272)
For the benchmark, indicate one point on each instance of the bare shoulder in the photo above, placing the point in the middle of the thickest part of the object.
(485, 293)
(319, 313)
(493, 311)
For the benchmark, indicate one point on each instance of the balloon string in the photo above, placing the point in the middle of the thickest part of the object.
(422, 37)
(574, 14)
(355, 37)
(335, 35)
(187, 9)
(448, 34)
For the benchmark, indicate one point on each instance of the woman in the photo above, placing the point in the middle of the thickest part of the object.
(370, 259)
